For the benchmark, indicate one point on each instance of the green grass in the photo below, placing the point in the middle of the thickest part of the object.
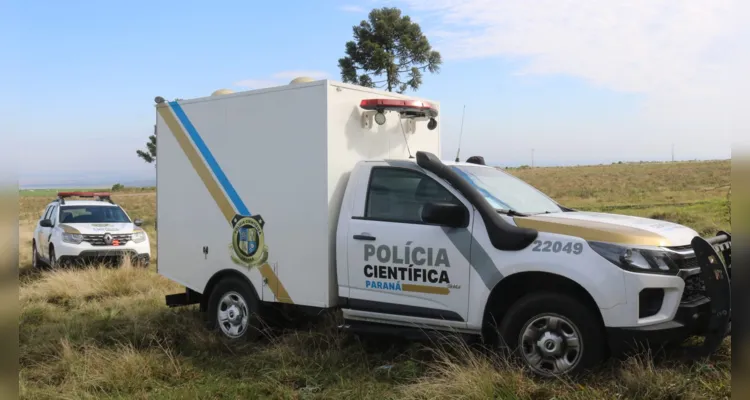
(106, 334)
(695, 194)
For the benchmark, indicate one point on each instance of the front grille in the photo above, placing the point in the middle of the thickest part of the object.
(688, 263)
(681, 248)
(695, 289)
(695, 286)
(98, 240)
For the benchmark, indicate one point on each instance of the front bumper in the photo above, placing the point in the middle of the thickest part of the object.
(708, 314)
(106, 257)
(84, 253)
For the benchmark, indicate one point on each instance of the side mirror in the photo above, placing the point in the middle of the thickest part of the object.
(446, 214)
(45, 223)
(138, 222)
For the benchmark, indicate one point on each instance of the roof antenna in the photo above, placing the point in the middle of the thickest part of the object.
(400, 123)
(461, 135)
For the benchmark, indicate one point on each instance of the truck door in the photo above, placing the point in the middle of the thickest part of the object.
(398, 264)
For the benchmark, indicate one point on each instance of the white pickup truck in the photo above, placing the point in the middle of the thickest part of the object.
(290, 197)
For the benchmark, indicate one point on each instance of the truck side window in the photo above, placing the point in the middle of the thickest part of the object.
(398, 194)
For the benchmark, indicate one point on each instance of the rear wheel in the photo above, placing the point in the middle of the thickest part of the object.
(553, 334)
(234, 309)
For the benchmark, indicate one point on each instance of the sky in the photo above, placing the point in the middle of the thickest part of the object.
(579, 82)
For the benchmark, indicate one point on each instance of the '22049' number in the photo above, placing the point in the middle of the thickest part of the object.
(557, 246)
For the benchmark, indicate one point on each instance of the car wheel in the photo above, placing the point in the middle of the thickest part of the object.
(234, 309)
(140, 262)
(553, 334)
(52, 259)
(34, 256)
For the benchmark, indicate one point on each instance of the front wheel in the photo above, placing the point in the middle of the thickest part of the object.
(34, 256)
(52, 259)
(234, 309)
(553, 334)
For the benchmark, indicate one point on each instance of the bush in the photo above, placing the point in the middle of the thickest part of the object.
(117, 187)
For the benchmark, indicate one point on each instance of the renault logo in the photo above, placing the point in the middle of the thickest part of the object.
(107, 239)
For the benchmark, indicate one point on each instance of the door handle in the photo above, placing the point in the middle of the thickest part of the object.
(364, 237)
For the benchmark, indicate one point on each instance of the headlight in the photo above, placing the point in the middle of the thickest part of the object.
(139, 236)
(637, 259)
(75, 238)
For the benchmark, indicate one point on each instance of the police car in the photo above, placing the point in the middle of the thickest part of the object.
(93, 229)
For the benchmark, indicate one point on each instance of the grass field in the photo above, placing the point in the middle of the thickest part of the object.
(105, 333)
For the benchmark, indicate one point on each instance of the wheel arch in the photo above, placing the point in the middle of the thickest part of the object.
(220, 276)
(511, 288)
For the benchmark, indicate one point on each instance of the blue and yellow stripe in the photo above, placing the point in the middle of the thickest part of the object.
(213, 177)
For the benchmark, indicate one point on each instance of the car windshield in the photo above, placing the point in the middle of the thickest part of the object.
(92, 214)
(506, 192)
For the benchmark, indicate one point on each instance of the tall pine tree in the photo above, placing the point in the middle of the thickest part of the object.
(385, 47)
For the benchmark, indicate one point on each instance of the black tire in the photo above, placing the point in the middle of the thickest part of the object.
(239, 290)
(52, 260)
(137, 262)
(572, 316)
(35, 261)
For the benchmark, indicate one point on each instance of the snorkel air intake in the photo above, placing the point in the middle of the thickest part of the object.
(503, 236)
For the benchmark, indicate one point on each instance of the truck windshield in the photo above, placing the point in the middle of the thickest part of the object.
(506, 192)
(92, 214)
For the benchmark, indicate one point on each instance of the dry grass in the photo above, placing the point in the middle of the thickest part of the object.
(78, 287)
(695, 194)
(105, 333)
(632, 183)
(460, 372)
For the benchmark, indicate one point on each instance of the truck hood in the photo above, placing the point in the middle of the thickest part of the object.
(99, 228)
(613, 228)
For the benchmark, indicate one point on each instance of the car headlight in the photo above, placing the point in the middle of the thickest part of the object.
(637, 259)
(75, 238)
(139, 236)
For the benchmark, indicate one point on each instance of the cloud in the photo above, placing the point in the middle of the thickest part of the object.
(687, 58)
(295, 74)
(257, 83)
(639, 46)
(279, 79)
(353, 9)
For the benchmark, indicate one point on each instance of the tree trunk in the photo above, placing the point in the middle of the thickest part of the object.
(388, 72)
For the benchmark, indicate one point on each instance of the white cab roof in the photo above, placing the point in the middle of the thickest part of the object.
(450, 163)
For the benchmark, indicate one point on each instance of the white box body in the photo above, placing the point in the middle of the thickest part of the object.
(285, 154)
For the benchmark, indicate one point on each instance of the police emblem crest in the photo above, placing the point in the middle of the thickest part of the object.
(248, 242)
